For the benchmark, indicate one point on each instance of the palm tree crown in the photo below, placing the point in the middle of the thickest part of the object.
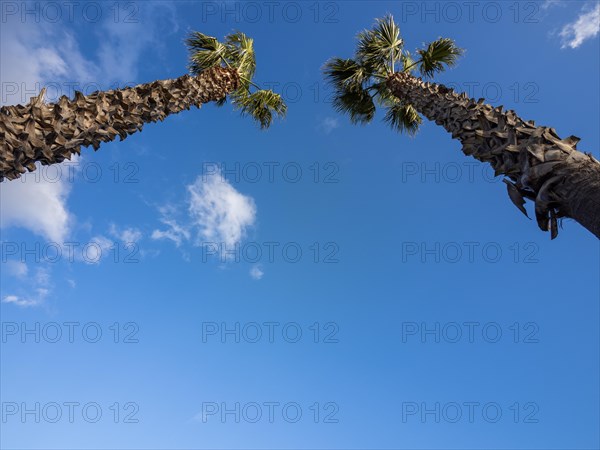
(361, 83)
(236, 52)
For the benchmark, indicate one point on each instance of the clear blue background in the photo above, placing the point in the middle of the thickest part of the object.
(371, 213)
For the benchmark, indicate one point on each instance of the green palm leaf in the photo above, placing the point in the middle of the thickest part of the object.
(261, 106)
(345, 74)
(361, 82)
(205, 52)
(237, 52)
(408, 62)
(381, 47)
(357, 103)
(438, 53)
(403, 118)
(241, 50)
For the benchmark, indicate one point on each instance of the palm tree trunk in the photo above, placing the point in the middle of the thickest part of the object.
(51, 133)
(562, 181)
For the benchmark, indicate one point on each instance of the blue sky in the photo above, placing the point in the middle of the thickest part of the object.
(204, 284)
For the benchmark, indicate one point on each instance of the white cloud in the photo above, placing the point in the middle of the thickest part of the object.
(585, 27)
(221, 213)
(128, 235)
(216, 213)
(256, 272)
(329, 124)
(42, 276)
(37, 54)
(16, 268)
(39, 283)
(37, 204)
(99, 247)
(34, 55)
(24, 302)
(174, 232)
(123, 42)
(548, 4)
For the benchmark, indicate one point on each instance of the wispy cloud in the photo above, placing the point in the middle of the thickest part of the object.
(34, 55)
(585, 27)
(129, 235)
(328, 124)
(99, 247)
(174, 232)
(16, 269)
(123, 43)
(37, 204)
(548, 4)
(33, 291)
(256, 272)
(216, 213)
(220, 213)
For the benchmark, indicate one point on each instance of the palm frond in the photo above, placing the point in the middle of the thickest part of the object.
(403, 118)
(438, 54)
(261, 105)
(358, 104)
(380, 48)
(205, 52)
(345, 74)
(383, 95)
(241, 51)
(408, 63)
(221, 101)
(237, 52)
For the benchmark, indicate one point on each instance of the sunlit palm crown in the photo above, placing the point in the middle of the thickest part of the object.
(236, 52)
(361, 83)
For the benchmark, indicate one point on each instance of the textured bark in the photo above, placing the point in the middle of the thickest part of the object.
(51, 133)
(538, 164)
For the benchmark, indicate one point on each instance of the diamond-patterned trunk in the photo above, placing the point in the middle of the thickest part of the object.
(51, 133)
(539, 165)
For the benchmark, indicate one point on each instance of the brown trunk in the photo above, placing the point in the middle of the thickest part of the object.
(562, 181)
(51, 133)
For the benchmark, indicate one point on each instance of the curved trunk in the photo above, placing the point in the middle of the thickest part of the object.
(51, 133)
(539, 165)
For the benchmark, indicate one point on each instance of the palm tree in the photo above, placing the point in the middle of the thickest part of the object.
(537, 163)
(51, 133)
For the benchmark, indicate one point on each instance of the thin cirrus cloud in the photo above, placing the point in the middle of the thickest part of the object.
(33, 290)
(328, 124)
(256, 272)
(34, 55)
(216, 213)
(173, 232)
(585, 27)
(17, 269)
(128, 235)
